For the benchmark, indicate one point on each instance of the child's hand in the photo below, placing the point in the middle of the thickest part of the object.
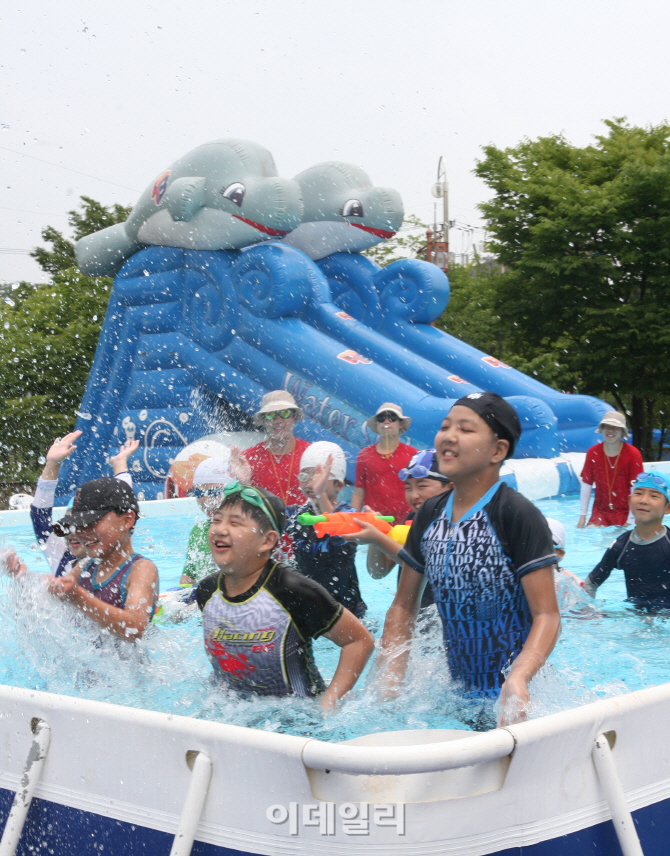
(240, 468)
(321, 476)
(62, 448)
(11, 563)
(119, 461)
(514, 700)
(369, 533)
(328, 701)
(61, 586)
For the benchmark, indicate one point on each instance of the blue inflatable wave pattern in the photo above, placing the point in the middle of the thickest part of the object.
(187, 327)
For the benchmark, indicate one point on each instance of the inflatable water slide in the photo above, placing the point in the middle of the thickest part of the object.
(231, 281)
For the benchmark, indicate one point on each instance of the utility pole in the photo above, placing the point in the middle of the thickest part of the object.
(437, 250)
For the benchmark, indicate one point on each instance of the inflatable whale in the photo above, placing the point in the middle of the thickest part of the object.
(223, 195)
(343, 211)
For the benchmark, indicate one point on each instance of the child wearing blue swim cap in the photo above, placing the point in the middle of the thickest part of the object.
(643, 553)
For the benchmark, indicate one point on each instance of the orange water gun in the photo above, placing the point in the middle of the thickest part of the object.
(344, 522)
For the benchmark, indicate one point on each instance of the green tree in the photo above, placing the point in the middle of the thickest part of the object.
(48, 337)
(92, 218)
(585, 236)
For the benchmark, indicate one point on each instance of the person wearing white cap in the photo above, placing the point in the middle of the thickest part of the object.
(612, 466)
(377, 466)
(209, 480)
(329, 561)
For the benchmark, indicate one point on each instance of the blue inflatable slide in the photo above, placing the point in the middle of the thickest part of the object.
(192, 340)
(232, 281)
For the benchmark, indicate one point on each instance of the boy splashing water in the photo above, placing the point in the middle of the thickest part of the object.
(487, 552)
(259, 616)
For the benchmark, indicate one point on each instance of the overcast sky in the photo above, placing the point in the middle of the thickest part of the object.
(119, 90)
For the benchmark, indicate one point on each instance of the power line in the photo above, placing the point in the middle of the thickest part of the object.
(69, 169)
(7, 251)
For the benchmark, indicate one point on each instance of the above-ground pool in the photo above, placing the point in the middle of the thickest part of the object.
(606, 648)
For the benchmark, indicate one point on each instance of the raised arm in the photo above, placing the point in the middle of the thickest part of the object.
(128, 623)
(538, 586)
(382, 551)
(357, 644)
(119, 461)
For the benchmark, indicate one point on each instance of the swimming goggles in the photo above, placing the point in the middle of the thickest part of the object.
(421, 472)
(387, 416)
(657, 481)
(254, 497)
(273, 414)
(199, 493)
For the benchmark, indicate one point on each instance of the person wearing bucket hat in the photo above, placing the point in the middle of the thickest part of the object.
(643, 553)
(487, 552)
(377, 466)
(273, 464)
(117, 588)
(330, 560)
(612, 467)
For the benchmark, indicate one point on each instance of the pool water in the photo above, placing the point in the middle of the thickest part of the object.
(606, 648)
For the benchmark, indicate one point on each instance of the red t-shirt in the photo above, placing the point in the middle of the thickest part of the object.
(378, 477)
(279, 475)
(613, 478)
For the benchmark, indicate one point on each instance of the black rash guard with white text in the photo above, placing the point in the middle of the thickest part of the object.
(475, 567)
(261, 640)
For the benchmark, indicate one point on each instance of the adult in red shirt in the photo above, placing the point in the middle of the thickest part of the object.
(613, 466)
(274, 464)
(377, 467)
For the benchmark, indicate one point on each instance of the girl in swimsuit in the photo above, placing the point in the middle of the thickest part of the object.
(117, 588)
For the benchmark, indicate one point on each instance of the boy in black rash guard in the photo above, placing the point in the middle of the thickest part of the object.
(643, 554)
(259, 616)
(488, 554)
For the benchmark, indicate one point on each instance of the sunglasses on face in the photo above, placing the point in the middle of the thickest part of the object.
(253, 497)
(387, 417)
(273, 414)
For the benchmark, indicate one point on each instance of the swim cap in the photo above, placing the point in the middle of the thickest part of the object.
(654, 481)
(318, 453)
(558, 533)
(213, 471)
(498, 414)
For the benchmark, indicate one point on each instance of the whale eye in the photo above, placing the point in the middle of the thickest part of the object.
(352, 208)
(235, 192)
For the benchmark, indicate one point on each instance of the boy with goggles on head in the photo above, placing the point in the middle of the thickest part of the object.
(259, 616)
(422, 479)
(643, 553)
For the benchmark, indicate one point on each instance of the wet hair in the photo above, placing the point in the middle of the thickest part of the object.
(257, 514)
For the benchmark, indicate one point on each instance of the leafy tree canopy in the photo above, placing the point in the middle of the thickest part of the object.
(585, 236)
(48, 337)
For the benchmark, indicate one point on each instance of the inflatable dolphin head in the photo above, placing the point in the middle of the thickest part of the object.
(343, 211)
(223, 195)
